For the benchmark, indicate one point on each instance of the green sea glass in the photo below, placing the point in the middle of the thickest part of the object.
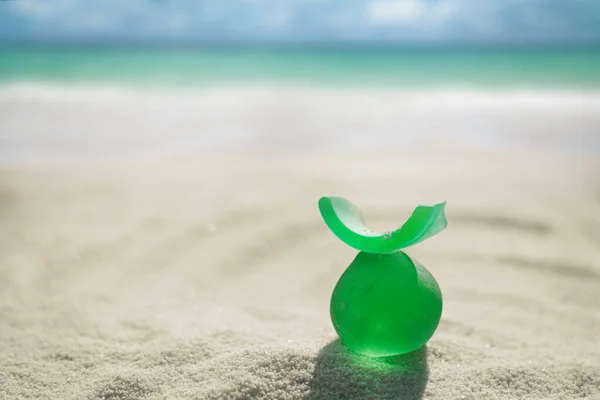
(385, 303)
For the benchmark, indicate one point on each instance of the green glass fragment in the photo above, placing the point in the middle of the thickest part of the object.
(385, 303)
(345, 221)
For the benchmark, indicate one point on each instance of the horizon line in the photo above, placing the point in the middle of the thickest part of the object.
(314, 44)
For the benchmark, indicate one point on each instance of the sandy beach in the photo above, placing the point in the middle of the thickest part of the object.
(206, 273)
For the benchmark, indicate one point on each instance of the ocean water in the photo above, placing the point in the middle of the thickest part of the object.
(557, 68)
(85, 104)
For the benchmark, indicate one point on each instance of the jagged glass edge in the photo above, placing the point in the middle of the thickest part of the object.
(424, 222)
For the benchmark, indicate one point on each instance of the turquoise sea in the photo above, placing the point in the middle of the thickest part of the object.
(490, 67)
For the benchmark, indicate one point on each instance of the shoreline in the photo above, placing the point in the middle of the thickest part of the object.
(91, 123)
(437, 92)
(589, 92)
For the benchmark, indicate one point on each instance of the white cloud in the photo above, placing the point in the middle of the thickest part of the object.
(326, 19)
(447, 19)
(34, 8)
(420, 19)
(411, 12)
(393, 11)
(42, 9)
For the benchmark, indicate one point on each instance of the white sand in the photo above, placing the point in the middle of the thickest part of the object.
(208, 277)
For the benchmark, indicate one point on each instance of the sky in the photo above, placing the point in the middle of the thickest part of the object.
(484, 21)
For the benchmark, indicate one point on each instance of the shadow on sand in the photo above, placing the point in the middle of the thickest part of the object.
(340, 374)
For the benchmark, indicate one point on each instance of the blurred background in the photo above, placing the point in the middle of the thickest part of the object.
(173, 76)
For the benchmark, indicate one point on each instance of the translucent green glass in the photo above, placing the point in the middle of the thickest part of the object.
(385, 303)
